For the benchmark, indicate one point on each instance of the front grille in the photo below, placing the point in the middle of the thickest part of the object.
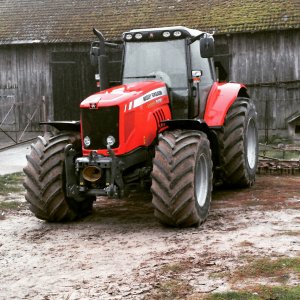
(98, 124)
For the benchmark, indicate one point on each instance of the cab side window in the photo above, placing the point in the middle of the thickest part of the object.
(202, 64)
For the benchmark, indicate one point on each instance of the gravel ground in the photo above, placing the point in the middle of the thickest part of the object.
(122, 252)
(13, 159)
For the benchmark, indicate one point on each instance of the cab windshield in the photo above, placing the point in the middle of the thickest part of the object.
(157, 60)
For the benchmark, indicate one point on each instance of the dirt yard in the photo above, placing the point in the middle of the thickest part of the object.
(122, 252)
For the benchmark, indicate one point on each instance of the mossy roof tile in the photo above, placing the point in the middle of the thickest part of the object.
(71, 20)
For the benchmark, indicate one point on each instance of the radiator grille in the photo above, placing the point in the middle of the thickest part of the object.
(98, 124)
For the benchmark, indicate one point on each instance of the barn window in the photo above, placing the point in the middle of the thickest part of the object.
(297, 128)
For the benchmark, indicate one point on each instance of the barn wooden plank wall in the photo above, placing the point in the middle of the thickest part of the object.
(25, 78)
(268, 62)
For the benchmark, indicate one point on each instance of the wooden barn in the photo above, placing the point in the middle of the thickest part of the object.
(44, 52)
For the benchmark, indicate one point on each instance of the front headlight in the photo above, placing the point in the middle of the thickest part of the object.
(110, 140)
(87, 141)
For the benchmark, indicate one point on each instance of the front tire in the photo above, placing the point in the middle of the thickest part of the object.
(239, 144)
(182, 178)
(45, 180)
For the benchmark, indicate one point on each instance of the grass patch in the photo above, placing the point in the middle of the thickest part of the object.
(170, 290)
(176, 268)
(289, 233)
(231, 296)
(266, 267)
(169, 282)
(287, 155)
(11, 183)
(284, 152)
(11, 205)
(173, 289)
(279, 293)
(258, 293)
(245, 244)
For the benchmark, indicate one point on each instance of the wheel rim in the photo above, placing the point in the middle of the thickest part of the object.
(251, 144)
(201, 180)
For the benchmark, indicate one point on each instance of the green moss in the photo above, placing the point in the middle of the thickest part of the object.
(177, 267)
(280, 293)
(266, 267)
(11, 183)
(232, 296)
(170, 290)
(259, 293)
(289, 233)
(12, 205)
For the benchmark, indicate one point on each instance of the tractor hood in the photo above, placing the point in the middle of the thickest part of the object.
(127, 96)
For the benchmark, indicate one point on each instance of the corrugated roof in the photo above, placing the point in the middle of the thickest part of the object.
(44, 21)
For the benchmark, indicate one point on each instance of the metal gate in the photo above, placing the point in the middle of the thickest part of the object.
(12, 130)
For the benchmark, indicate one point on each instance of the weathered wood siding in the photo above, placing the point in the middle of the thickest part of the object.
(26, 78)
(269, 64)
(26, 69)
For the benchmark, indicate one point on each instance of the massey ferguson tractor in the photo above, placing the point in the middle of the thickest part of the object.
(169, 124)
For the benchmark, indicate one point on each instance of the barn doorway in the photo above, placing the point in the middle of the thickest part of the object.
(73, 79)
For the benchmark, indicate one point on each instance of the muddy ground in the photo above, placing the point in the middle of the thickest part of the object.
(122, 252)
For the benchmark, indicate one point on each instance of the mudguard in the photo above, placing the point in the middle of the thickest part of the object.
(64, 125)
(219, 100)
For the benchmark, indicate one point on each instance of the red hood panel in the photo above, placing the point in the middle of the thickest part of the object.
(140, 92)
(139, 104)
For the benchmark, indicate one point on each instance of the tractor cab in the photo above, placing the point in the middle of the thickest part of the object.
(178, 56)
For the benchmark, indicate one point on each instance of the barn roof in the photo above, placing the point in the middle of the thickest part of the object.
(44, 21)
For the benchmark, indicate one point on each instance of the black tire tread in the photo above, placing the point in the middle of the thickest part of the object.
(173, 178)
(44, 178)
(232, 144)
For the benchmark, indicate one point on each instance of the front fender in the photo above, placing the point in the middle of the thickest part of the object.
(190, 124)
(64, 125)
(219, 100)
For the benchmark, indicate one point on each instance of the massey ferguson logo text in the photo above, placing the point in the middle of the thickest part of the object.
(152, 95)
(155, 94)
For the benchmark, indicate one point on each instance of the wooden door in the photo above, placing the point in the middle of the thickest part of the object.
(73, 79)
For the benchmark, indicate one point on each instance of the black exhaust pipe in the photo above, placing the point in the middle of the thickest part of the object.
(98, 55)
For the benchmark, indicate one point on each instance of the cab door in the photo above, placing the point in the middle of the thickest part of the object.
(203, 77)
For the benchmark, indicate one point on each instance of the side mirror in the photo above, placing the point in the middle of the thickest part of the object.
(207, 47)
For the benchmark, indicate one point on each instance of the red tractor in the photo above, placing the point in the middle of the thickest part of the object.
(169, 124)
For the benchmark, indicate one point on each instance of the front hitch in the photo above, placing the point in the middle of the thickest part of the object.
(75, 182)
(116, 175)
(72, 189)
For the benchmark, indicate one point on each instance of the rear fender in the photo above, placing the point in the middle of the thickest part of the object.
(219, 100)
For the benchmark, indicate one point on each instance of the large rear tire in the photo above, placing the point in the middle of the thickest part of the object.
(45, 179)
(239, 144)
(182, 178)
